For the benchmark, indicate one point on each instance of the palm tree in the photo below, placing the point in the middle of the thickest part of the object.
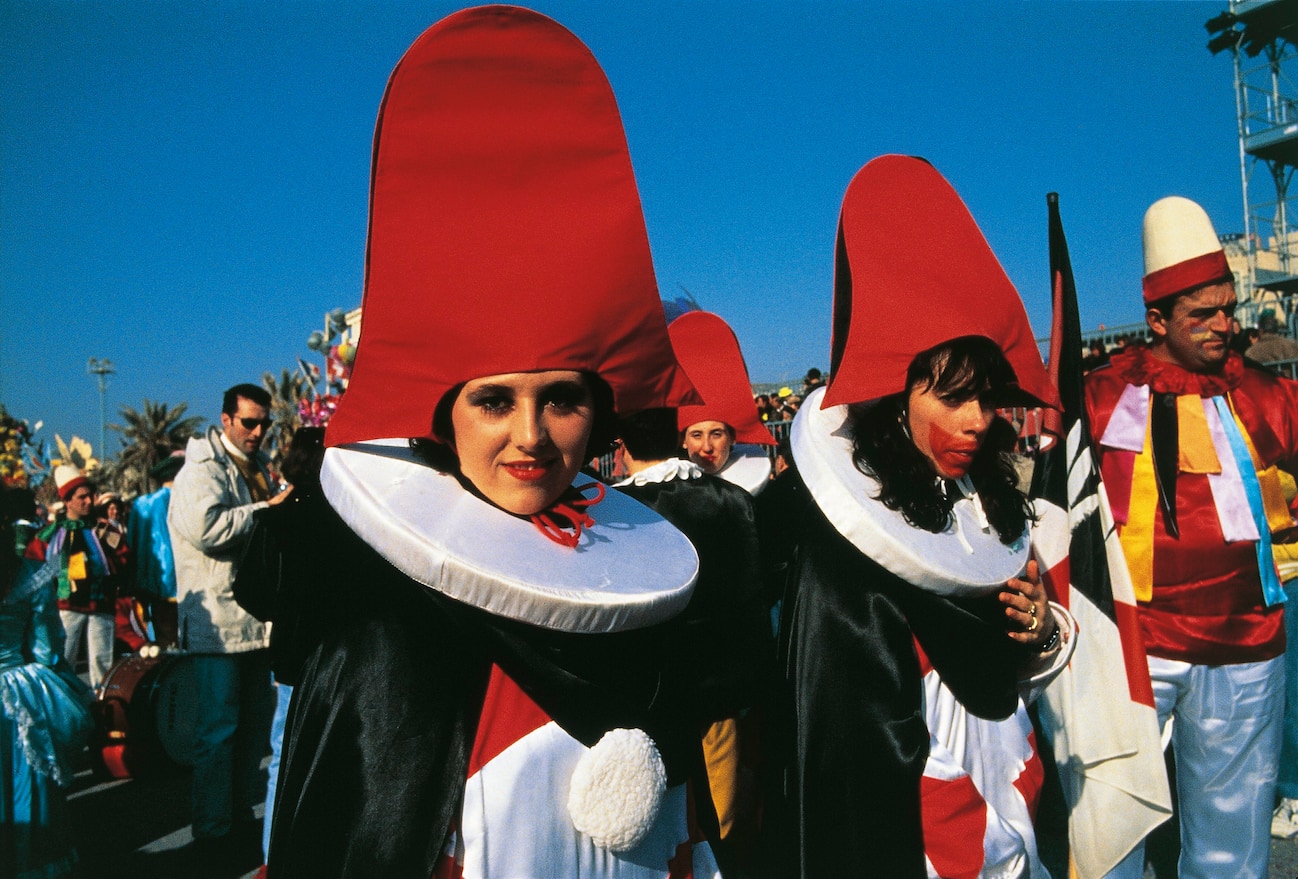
(148, 436)
(284, 397)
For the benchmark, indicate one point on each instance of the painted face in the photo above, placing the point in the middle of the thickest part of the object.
(79, 503)
(708, 444)
(521, 437)
(1196, 336)
(947, 429)
(247, 427)
(113, 511)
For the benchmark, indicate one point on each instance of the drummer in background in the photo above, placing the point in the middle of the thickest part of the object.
(914, 624)
(490, 643)
(724, 436)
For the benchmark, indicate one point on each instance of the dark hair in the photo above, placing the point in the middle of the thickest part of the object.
(230, 402)
(651, 435)
(435, 450)
(883, 448)
(1167, 304)
(1164, 306)
(301, 464)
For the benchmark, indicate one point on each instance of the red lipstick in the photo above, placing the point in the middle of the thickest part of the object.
(528, 471)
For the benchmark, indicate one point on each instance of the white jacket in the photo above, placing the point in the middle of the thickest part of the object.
(209, 520)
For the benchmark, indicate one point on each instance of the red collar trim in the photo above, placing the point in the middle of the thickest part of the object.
(1138, 366)
(564, 520)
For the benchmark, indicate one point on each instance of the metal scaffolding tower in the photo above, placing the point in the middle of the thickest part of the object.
(1262, 36)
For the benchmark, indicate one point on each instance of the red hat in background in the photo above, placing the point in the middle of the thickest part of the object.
(905, 237)
(1182, 250)
(67, 479)
(506, 232)
(707, 348)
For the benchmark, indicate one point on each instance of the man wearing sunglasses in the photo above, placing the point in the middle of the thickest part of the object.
(223, 482)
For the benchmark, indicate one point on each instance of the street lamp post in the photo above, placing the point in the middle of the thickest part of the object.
(101, 369)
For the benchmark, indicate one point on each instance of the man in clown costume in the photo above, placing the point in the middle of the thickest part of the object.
(1189, 439)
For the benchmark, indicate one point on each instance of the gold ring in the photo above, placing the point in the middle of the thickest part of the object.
(1035, 622)
(1032, 610)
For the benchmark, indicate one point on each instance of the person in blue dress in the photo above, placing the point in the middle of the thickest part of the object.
(44, 720)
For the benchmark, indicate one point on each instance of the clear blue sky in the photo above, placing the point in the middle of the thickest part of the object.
(183, 186)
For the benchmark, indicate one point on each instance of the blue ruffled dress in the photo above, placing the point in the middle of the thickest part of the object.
(45, 721)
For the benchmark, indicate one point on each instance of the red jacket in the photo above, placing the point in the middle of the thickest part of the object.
(1207, 604)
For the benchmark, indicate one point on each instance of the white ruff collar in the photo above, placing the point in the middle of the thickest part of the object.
(632, 569)
(749, 467)
(664, 471)
(962, 560)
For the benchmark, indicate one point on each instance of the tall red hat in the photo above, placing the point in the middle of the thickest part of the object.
(707, 348)
(905, 236)
(506, 233)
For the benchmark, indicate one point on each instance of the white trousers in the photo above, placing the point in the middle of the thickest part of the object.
(95, 630)
(1226, 738)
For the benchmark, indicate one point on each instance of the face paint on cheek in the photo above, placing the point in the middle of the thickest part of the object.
(951, 453)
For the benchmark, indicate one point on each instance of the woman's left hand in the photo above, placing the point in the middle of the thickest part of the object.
(1031, 621)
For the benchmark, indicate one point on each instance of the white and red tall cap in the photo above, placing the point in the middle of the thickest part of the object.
(506, 232)
(1182, 250)
(904, 231)
(708, 349)
(67, 479)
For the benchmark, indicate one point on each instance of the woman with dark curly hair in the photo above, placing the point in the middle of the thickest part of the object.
(914, 624)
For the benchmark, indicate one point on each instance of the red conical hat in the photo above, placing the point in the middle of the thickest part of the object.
(904, 236)
(506, 233)
(707, 348)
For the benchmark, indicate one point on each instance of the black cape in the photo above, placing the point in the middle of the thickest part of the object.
(847, 742)
(390, 687)
(725, 631)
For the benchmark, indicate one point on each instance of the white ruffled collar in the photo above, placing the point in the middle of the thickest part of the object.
(967, 558)
(631, 569)
(664, 471)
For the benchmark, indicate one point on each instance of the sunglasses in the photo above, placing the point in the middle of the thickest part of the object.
(254, 423)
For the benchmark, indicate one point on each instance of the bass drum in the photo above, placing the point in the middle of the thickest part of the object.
(146, 711)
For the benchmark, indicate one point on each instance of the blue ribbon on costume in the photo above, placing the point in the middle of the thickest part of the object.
(1272, 592)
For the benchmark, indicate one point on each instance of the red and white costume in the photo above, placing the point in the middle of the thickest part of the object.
(506, 236)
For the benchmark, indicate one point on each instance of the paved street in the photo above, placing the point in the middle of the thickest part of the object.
(139, 829)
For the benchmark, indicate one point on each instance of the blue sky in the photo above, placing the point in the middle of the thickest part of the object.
(183, 186)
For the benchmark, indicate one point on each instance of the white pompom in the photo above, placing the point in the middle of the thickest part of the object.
(617, 789)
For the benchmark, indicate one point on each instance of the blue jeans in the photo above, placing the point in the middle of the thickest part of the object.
(283, 695)
(232, 730)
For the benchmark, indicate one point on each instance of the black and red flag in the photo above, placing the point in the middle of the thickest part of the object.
(1099, 714)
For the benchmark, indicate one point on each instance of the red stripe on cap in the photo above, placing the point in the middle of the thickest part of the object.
(72, 485)
(1187, 275)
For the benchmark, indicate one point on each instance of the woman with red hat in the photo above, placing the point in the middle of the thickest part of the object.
(485, 686)
(725, 435)
(912, 618)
